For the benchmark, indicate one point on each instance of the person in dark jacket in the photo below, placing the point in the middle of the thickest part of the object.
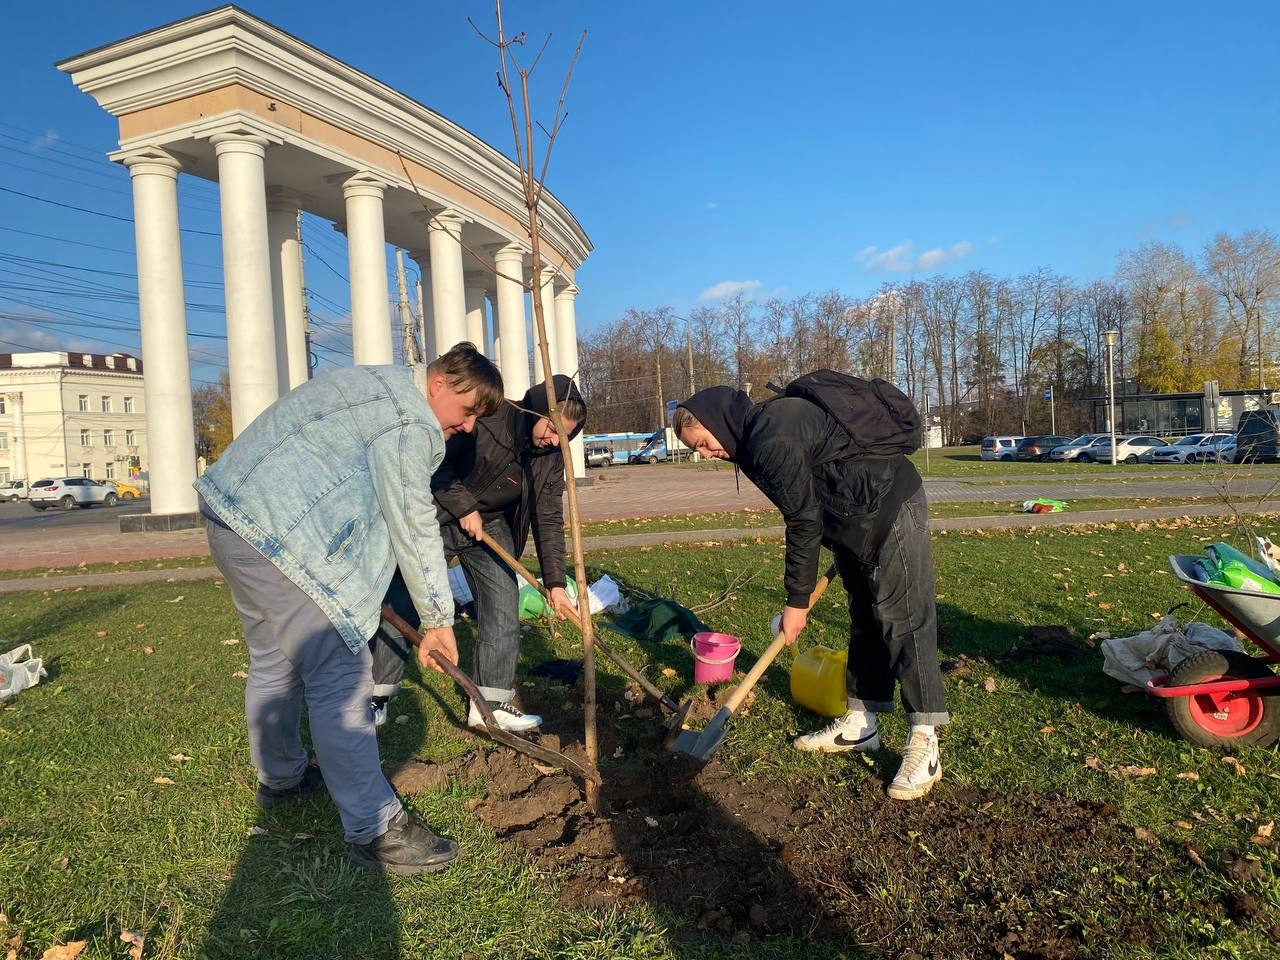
(505, 478)
(871, 512)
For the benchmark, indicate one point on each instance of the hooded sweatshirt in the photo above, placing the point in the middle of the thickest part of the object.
(801, 459)
(497, 471)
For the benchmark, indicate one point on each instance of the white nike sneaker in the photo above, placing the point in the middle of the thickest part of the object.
(921, 767)
(509, 716)
(856, 730)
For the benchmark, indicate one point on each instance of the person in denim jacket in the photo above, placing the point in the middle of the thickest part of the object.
(310, 510)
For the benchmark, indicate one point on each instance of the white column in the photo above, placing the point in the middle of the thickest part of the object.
(425, 307)
(546, 291)
(14, 402)
(567, 360)
(286, 287)
(367, 255)
(171, 441)
(491, 327)
(448, 302)
(513, 347)
(473, 294)
(246, 271)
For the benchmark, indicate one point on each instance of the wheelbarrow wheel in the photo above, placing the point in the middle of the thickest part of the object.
(1224, 721)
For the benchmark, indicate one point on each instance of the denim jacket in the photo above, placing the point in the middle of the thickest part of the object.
(331, 484)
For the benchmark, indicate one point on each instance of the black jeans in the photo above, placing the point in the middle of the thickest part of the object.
(893, 621)
(497, 596)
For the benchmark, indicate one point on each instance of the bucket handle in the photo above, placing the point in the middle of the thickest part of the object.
(715, 663)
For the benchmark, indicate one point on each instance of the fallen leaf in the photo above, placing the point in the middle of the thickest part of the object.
(256, 831)
(1046, 729)
(148, 650)
(240, 675)
(614, 878)
(1182, 825)
(1235, 765)
(164, 781)
(1195, 857)
(1104, 606)
(1188, 775)
(1266, 828)
(230, 641)
(1093, 763)
(990, 684)
(177, 599)
(64, 863)
(136, 939)
(544, 769)
(1133, 771)
(15, 944)
(1143, 834)
(179, 757)
(617, 752)
(668, 672)
(102, 633)
(300, 837)
(402, 719)
(65, 951)
(650, 821)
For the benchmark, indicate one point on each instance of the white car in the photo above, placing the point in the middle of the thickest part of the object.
(1196, 448)
(13, 490)
(1128, 449)
(1082, 448)
(1227, 449)
(68, 492)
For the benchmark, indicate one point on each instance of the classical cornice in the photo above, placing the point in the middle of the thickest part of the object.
(228, 46)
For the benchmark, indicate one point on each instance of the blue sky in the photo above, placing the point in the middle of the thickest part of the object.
(790, 148)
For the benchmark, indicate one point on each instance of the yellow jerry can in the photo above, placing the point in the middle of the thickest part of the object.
(818, 680)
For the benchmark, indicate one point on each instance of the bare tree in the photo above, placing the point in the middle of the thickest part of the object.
(1245, 270)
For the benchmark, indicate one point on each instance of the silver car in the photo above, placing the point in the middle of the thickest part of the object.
(1083, 448)
(68, 492)
(1195, 448)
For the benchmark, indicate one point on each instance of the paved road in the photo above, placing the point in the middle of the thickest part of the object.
(55, 538)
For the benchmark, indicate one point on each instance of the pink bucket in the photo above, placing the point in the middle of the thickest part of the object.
(713, 656)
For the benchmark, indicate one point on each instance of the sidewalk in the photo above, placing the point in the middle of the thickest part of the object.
(631, 540)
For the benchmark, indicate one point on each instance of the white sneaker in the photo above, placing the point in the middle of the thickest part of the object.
(856, 730)
(921, 767)
(509, 716)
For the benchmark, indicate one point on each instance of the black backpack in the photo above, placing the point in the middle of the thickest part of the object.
(880, 419)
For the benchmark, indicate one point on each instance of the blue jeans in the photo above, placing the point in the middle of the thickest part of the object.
(497, 596)
(893, 622)
(297, 655)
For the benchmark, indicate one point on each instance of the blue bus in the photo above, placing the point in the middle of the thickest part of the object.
(620, 446)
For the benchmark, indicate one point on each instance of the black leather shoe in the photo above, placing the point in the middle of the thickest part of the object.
(407, 848)
(312, 782)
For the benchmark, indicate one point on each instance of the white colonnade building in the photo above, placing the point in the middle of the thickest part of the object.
(283, 127)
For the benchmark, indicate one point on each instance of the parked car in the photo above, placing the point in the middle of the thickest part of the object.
(1128, 449)
(998, 448)
(1037, 448)
(1076, 449)
(599, 456)
(126, 491)
(1227, 449)
(14, 490)
(1194, 448)
(1257, 436)
(68, 492)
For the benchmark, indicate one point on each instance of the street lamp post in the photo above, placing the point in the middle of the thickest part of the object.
(1112, 336)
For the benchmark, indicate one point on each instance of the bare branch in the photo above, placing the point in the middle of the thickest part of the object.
(560, 115)
(534, 66)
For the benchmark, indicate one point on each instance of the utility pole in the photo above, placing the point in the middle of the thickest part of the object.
(406, 318)
(688, 343)
(306, 307)
(422, 324)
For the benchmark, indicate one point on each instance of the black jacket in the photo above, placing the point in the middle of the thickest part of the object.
(474, 461)
(800, 459)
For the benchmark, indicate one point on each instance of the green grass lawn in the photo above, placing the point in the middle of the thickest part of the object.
(143, 686)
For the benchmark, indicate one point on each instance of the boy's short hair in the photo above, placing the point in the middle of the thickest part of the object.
(465, 368)
(682, 419)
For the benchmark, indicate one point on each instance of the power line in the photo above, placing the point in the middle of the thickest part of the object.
(96, 246)
(96, 213)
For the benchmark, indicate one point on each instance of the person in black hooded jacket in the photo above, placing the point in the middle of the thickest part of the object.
(871, 512)
(506, 479)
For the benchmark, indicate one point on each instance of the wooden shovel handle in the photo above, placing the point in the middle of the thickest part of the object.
(761, 665)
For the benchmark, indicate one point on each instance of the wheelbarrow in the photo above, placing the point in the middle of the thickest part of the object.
(1223, 699)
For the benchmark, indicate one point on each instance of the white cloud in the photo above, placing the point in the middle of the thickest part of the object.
(901, 258)
(728, 288)
(46, 139)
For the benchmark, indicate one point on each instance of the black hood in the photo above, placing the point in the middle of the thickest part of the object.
(536, 400)
(723, 411)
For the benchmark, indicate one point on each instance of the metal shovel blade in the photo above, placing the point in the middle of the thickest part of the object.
(701, 744)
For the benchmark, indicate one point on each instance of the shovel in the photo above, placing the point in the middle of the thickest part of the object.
(679, 711)
(702, 745)
(491, 725)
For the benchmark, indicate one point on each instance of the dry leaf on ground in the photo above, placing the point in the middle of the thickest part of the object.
(1188, 775)
(102, 633)
(1093, 763)
(136, 939)
(179, 757)
(1182, 825)
(299, 837)
(65, 951)
(1134, 771)
(1235, 765)
(240, 675)
(164, 781)
(668, 672)
(256, 831)
(148, 649)
(230, 641)
(1265, 829)
(177, 599)
(990, 684)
